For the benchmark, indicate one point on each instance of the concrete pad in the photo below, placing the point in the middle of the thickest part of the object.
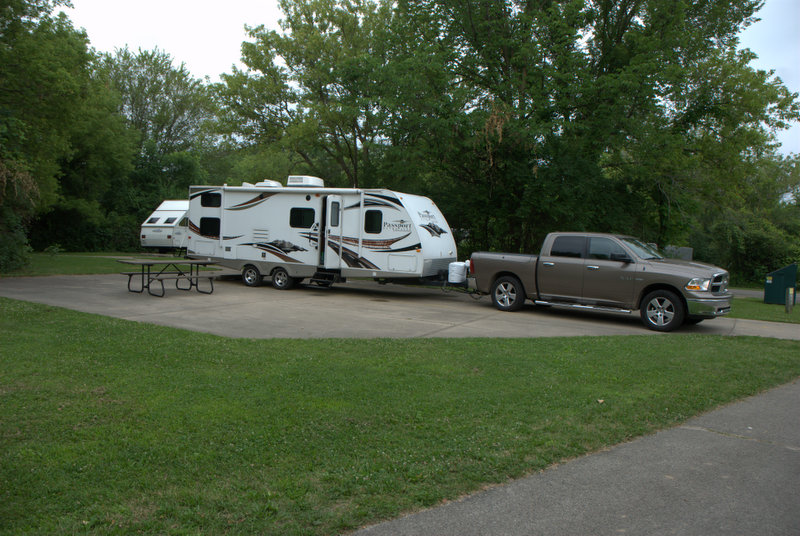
(358, 309)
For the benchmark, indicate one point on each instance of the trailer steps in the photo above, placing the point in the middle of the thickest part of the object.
(325, 278)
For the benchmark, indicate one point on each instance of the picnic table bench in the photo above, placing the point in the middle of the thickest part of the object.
(160, 270)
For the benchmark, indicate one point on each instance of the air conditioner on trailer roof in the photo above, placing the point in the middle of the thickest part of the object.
(305, 180)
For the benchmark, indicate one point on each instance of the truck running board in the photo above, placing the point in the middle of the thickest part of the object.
(581, 306)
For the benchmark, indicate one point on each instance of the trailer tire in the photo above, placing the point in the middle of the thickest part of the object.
(251, 276)
(281, 279)
(508, 294)
(662, 310)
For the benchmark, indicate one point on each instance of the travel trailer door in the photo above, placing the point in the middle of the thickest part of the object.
(332, 248)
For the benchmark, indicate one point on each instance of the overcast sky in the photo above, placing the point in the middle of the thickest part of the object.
(207, 35)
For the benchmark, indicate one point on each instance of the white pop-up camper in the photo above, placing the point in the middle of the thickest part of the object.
(305, 230)
(166, 228)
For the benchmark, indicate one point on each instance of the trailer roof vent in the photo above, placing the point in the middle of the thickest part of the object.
(269, 184)
(305, 180)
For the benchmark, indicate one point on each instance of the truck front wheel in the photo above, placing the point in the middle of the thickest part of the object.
(508, 294)
(662, 310)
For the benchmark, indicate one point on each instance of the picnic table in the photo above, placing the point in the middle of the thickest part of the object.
(160, 270)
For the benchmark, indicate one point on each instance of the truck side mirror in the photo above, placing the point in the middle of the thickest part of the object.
(621, 257)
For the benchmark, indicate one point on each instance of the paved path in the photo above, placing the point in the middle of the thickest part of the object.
(734, 471)
(359, 309)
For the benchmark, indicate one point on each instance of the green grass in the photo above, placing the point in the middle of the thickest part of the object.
(756, 309)
(109, 426)
(43, 264)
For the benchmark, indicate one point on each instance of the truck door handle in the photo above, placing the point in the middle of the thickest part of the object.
(592, 267)
(549, 263)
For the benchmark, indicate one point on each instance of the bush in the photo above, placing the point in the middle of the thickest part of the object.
(748, 246)
(14, 248)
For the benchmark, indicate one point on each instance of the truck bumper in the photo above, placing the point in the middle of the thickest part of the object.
(709, 307)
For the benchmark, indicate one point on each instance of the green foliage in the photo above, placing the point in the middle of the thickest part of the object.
(14, 248)
(312, 88)
(754, 231)
(748, 245)
(163, 103)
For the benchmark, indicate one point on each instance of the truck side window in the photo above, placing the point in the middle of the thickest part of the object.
(373, 221)
(603, 248)
(568, 246)
(209, 199)
(301, 218)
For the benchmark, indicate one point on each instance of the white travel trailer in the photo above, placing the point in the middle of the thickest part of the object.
(305, 230)
(166, 228)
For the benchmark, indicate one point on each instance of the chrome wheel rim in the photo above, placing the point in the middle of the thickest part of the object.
(250, 276)
(660, 311)
(505, 294)
(281, 278)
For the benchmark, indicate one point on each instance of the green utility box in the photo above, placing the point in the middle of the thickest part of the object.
(777, 282)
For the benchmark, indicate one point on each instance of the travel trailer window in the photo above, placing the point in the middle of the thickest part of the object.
(169, 220)
(373, 221)
(302, 218)
(210, 199)
(335, 214)
(209, 227)
(152, 220)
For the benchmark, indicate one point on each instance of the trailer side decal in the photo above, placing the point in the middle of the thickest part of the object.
(279, 248)
(375, 200)
(434, 229)
(352, 259)
(201, 192)
(257, 200)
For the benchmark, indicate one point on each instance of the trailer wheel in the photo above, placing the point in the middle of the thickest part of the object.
(508, 293)
(281, 279)
(251, 276)
(662, 310)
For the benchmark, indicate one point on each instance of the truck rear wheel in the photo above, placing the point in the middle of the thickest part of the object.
(662, 310)
(508, 293)
(251, 276)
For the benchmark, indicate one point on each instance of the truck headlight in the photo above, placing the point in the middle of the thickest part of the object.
(698, 284)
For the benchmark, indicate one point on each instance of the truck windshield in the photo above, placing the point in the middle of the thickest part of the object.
(642, 250)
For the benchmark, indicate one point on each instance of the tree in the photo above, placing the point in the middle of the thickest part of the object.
(168, 109)
(47, 99)
(313, 88)
(162, 102)
(603, 115)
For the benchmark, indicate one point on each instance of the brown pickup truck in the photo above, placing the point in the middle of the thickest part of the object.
(605, 272)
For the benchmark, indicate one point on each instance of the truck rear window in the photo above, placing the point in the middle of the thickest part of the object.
(568, 246)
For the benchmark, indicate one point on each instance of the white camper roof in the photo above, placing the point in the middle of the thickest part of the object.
(168, 213)
(174, 204)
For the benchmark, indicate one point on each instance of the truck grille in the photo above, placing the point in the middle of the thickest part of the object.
(719, 284)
